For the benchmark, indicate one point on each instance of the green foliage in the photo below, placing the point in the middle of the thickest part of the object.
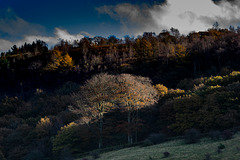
(186, 113)
(178, 150)
(4, 63)
(66, 137)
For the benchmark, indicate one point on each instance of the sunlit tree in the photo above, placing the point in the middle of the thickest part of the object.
(96, 98)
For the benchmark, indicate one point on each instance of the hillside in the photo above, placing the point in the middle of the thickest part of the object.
(105, 92)
(179, 150)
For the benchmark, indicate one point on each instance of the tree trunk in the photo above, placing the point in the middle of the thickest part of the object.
(100, 132)
(136, 132)
(129, 132)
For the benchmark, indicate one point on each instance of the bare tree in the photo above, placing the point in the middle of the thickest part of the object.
(136, 92)
(94, 99)
(103, 92)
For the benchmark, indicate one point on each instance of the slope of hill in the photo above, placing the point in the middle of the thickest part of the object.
(205, 149)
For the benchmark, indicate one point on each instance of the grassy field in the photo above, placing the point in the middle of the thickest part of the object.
(179, 151)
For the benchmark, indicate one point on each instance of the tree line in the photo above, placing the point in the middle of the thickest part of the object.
(100, 92)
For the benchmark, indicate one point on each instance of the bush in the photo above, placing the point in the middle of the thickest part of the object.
(214, 135)
(227, 134)
(157, 138)
(166, 154)
(146, 143)
(221, 146)
(191, 136)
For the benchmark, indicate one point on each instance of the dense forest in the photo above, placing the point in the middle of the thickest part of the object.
(100, 92)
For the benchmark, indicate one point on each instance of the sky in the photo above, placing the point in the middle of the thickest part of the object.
(53, 20)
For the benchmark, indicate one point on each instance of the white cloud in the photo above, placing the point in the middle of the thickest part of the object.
(18, 31)
(60, 34)
(63, 34)
(5, 45)
(185, 15)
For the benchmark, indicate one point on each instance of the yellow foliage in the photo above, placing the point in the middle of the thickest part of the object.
(143, 48)
(70, 125)
(44, 122)
(43, 127)
(213, 81)
(162, 90)
(60, 61)
(67, 61)
(235, 73)
(181, 54)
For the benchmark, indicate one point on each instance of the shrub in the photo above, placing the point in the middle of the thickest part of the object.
(221, 146)
(161, 89)
(146, 143)
(213, 81)
(65, 137)
(166, 154)
(227, 134)
(214, 135)
(191, 136)
(157, 138)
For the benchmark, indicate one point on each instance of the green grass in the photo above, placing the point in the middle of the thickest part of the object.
(179, 151)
